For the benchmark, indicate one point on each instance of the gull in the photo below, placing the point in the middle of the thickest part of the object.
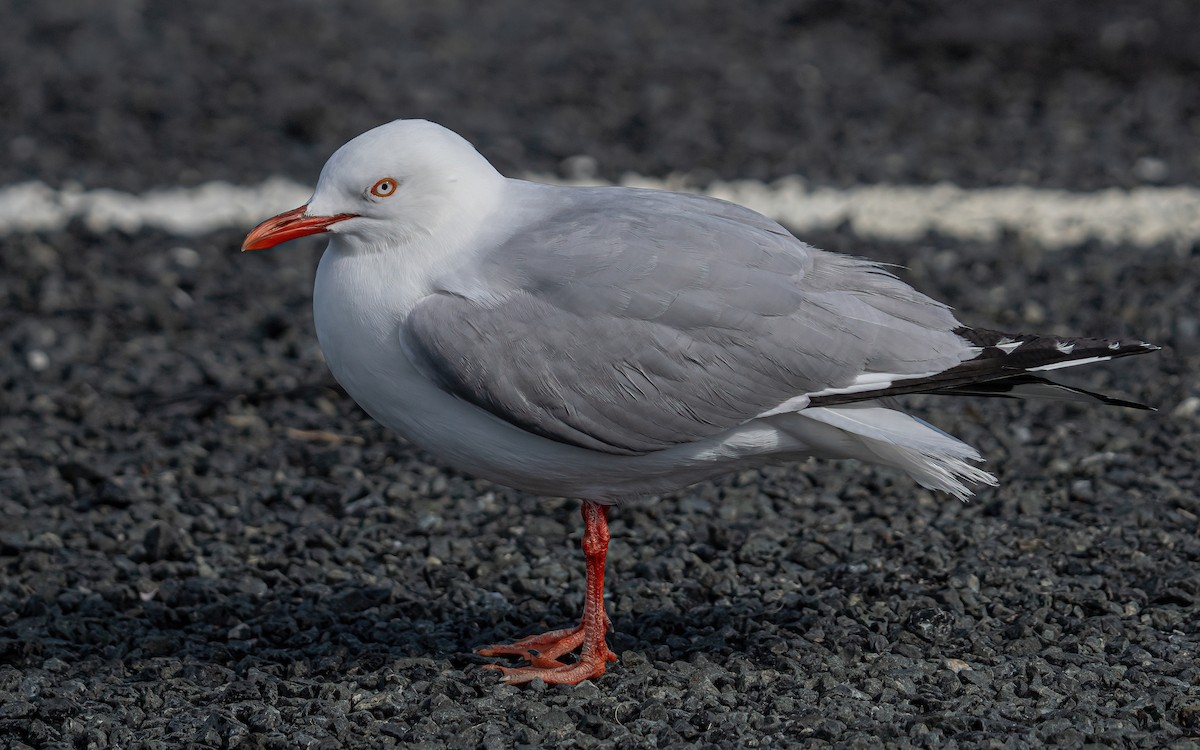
(611, 343)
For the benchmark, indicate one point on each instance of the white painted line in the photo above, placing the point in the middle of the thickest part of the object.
(35, 207)
(1140, 217)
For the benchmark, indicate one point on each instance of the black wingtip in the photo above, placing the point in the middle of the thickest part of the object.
(1025, 385)
(1003, 362)
(1112, 401)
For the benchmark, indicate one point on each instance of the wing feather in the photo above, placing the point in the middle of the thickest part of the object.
(627, 321)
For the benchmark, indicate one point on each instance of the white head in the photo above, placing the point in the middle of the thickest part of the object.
(400, 181)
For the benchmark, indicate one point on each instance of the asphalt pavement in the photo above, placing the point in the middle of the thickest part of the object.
(205, 543)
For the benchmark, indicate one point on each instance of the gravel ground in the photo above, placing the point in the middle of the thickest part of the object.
(205, 543)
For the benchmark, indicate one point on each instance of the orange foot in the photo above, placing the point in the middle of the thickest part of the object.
(542, 652)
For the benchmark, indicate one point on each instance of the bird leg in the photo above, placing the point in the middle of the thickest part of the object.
(542, 651)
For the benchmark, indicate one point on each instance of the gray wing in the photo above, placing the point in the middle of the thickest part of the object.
(628, 321)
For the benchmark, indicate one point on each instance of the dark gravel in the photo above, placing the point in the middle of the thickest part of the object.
(1071, 93)
(204, 543)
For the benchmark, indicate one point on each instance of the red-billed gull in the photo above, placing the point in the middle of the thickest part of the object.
(609, 343)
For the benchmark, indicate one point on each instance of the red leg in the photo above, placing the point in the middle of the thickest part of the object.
(542, 651)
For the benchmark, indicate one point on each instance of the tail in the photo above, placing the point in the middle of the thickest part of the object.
(879, 435)
(1004, 365)
(847, 423)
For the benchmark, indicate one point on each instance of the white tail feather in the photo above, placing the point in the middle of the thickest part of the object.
(879, 435)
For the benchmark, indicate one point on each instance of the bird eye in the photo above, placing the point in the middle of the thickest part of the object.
(384, 188)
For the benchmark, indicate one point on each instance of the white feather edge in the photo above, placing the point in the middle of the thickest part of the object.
(864, 383)
(930, 456)
(1068, 363)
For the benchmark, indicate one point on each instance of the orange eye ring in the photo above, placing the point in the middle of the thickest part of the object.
(385, 188)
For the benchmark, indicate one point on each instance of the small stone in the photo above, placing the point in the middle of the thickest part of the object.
(16, 709)
(1187, 408)
(1149, 169)
(47, 540)
(1033, 313)
(957, 665)
(184, 257)
(580, 167)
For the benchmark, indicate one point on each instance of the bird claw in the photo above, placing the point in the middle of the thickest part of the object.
(542, 652)
(566, 674)
(532, 656)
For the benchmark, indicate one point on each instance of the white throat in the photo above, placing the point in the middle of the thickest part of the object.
(365, 287)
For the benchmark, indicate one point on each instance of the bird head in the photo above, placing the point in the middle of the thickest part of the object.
(397, 182)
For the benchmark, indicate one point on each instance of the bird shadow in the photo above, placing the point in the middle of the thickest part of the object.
(355, 629)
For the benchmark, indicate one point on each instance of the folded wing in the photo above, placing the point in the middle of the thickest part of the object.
(628, 321)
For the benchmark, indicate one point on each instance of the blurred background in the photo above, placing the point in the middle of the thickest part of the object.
(204, 542)
(1084, 95)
